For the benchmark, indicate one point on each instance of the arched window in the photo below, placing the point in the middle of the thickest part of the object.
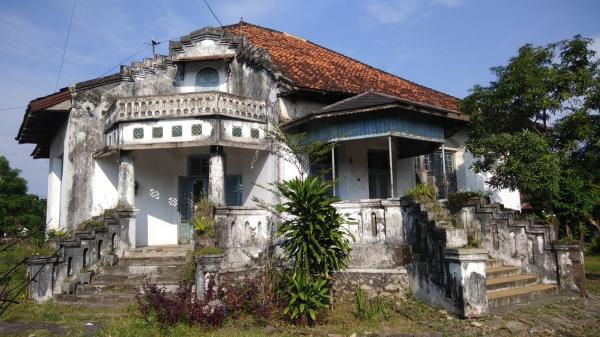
(207, 78)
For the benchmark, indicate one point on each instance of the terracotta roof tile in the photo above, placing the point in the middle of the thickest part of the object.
(311, 66)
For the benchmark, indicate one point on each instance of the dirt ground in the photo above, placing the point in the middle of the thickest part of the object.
(563, 315)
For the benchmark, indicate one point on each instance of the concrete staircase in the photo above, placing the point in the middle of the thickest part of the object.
(117, 285)
(506, 285)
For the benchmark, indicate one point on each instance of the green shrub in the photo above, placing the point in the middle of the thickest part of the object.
(204, 219)
(422, 193)
(458, 200)
(594, 247)
(306, 297)
(96, 223)
(374, 309)
(312, 233)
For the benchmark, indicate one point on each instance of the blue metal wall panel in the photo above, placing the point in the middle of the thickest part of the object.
(365, 125)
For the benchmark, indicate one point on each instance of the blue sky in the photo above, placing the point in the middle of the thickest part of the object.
(448, 45)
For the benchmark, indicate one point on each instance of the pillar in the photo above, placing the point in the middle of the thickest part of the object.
(126, 186)
(465, 281)
(216, 176)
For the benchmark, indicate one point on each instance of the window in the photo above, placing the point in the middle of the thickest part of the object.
(449, 162)
(207, 78)
(157, 132)
(379, 174)
(233, 190)
(426, 162)
(176, 131)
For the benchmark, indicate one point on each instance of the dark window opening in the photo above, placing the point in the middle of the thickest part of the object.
(233, 190)
(99, 250)
(207, 78)
(379, 174)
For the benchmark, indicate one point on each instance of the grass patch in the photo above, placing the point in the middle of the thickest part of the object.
(592, 266)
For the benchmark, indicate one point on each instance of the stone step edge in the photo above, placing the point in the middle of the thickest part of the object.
(511, 279)
(492, 295)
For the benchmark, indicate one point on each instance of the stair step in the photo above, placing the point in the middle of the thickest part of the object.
(159, 251)
(490, 263)
(136, 279)
(152, 261)
(501, 271)
(517, 295)
(140, 270)
(510, 281)
(123, 288)
(107, 299)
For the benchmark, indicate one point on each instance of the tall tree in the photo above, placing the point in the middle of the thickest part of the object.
(536, 128)
(20, 212)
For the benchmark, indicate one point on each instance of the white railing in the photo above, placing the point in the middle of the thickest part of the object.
(185, 104)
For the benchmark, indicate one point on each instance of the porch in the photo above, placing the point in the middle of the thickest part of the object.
(164, 184)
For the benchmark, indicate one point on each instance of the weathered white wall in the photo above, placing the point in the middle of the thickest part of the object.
(126, 131)
(192, 69)
(106, 180)
(405, 175)
(467, 180)
(257, 168)
(352, 171)
(55, 177)
(156, 173)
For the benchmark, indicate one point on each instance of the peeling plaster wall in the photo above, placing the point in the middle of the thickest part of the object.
(157, 194)
(106, 175)
(55, 178)
(467, 180)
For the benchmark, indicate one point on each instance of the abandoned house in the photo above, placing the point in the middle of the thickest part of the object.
(164, 132)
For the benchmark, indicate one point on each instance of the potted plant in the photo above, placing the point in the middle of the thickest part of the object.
(204, 227)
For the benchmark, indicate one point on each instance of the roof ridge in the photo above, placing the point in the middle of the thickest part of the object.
(340, 54)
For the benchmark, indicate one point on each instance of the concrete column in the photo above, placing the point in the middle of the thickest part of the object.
(216, 176)
(126, 178)
(40, 269)
(570, 266)
(465, 281)
(333, 175)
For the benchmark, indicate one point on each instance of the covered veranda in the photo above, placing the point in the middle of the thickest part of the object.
(377, 136)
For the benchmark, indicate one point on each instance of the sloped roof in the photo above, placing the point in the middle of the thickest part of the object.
(311, 66)
(41, 121)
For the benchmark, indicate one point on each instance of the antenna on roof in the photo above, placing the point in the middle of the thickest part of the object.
(154, 43)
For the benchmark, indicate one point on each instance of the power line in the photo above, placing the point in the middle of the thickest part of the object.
(13, 108)
(213, 13)
(144, 46)
(62, 60)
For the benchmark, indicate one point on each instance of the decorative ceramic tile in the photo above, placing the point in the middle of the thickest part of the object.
(157, 132)
(196, 129)
(176, 131)
(138, 133)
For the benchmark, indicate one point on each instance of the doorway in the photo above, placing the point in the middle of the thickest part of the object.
(191, 189)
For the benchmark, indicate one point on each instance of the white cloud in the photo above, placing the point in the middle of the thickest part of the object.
(596, 45)
(449, 3)
(402, 11)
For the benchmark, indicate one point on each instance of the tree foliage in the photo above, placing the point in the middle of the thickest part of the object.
(19, 212)
(536, 128)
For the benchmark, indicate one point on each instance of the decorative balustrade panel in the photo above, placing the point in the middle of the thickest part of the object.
(185, 104)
